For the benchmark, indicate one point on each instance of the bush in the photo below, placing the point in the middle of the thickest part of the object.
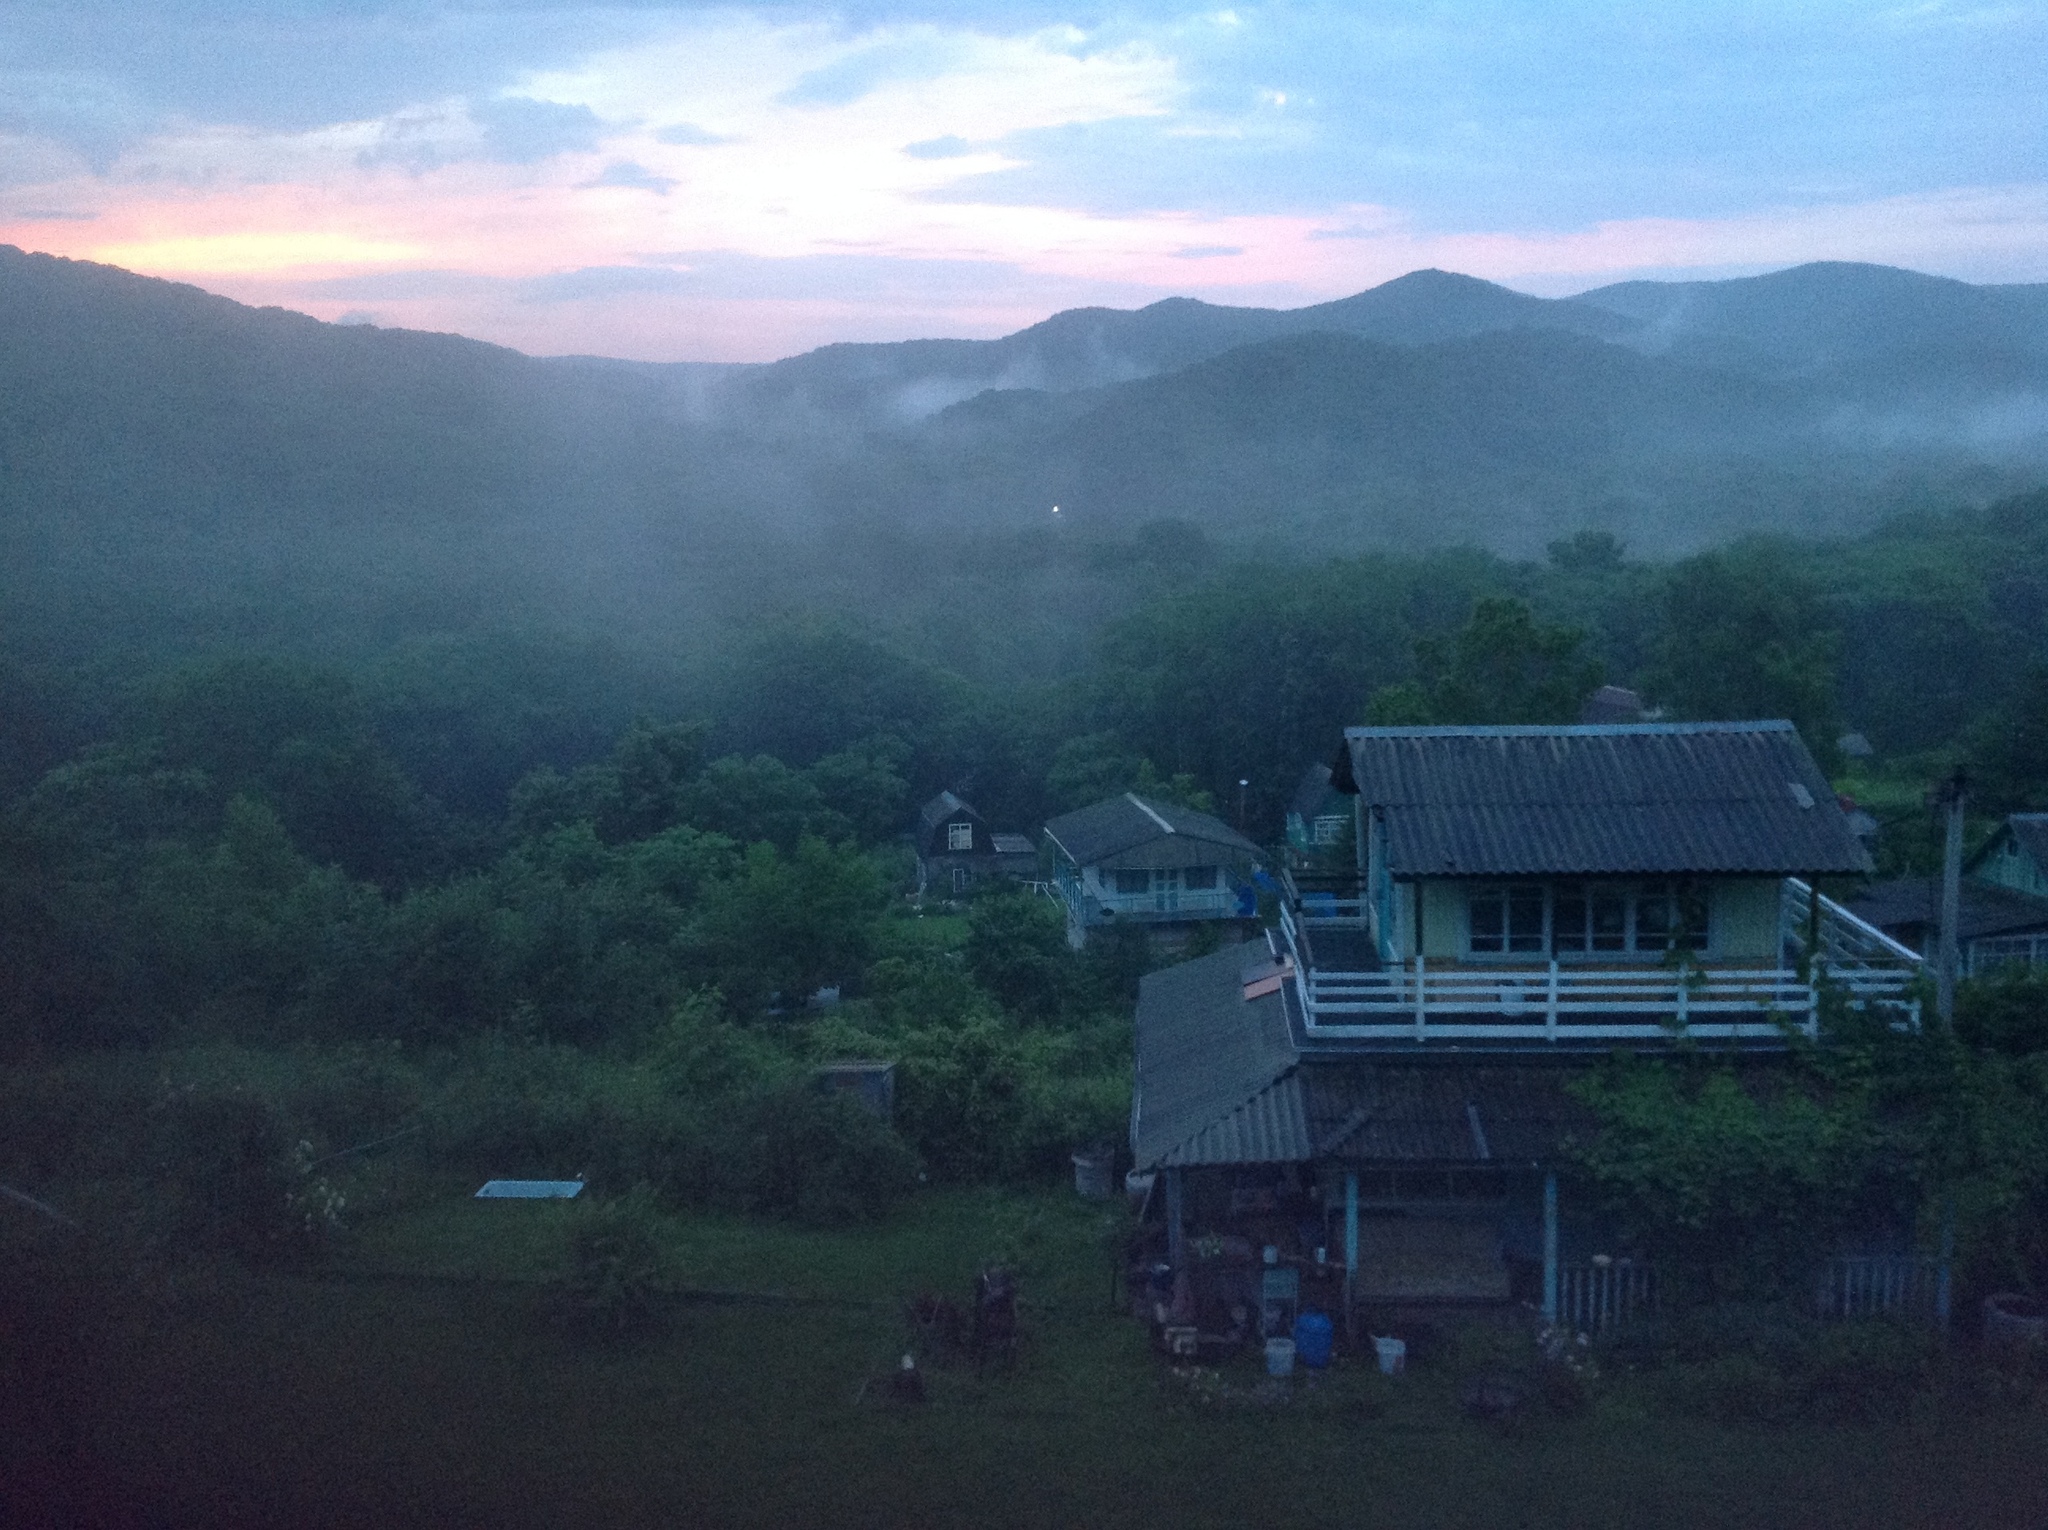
(1773, 1364)
(821, 1158)
(611, 1283)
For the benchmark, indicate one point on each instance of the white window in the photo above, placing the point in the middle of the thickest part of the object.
(1588, 919)
(959, 836)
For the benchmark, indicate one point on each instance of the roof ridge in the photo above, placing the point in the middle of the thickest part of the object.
(1146, 808)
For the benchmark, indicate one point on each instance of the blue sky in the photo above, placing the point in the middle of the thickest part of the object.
(739, 182)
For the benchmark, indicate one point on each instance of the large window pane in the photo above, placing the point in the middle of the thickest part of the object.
(1525, 918)
(1568, 920)
(1488, 911)
(1610, 921)
(1129, 882)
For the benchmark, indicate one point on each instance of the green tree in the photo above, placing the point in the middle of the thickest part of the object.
(1017, 950)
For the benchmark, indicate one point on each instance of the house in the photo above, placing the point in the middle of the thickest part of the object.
(1318, 820)
(2003, 909)
(1132, 861)
(956, 849)
(1379, 1090)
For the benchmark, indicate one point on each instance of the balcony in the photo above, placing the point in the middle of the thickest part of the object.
(1160, 905)
(1348, 994)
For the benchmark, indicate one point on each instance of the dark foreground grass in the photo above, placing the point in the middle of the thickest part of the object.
(372, 1398)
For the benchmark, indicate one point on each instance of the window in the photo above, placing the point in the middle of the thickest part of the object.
(1670, 916)
(1196, 878)
(1588, 919)
(1133, 882)
(1507, 920)
(959, 836)
(1330, 829)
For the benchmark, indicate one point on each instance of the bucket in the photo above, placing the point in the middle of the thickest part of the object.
(1137, 1185)
(1314, 1339)
(1091, 1173)
(1393, 1355)
(1279, 1357)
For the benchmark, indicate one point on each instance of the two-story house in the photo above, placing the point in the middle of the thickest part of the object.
(956, 850)
(1379, 1090)
(1134, 861)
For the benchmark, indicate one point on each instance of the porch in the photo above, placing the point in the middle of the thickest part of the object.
(1350, 989)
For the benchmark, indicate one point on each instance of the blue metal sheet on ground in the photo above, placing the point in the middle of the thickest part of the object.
(530, 1190)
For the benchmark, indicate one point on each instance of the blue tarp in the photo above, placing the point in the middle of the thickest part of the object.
(530, 1190)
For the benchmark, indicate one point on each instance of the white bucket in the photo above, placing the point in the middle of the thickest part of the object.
(1279, 1357)
(1393, 1355)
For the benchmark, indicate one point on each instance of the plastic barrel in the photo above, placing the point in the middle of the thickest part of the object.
(1091, 1174)
(1315, 1338)
(1279, 1357)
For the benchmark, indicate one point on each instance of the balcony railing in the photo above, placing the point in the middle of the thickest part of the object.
(1161, 904)
(1550, 1002)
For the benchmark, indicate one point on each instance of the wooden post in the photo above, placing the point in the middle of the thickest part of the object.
(1350, 1254)
(1421, 988)
(1550, 1008)
(1951, 801)
(1943, 1292)
(1549, 1246)
(1176, 1235)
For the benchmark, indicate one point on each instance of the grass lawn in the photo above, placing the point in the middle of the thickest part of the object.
(347, 1397)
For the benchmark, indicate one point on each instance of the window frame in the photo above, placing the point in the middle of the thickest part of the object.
(1496, 927)
(960, 838)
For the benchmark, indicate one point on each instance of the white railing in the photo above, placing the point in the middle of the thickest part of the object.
(1846, 942)
(1565, 1002)
(1593, 1298)
(1880, 1285)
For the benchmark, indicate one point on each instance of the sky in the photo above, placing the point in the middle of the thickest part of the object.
(736, 183)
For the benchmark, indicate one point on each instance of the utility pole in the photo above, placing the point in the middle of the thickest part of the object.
(1949, 798)
(1241, 785)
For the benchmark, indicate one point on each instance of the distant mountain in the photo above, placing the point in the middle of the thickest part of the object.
(1858, 327)
(176, 468)
(897, 384)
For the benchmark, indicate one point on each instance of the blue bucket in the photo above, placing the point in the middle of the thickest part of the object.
(1314, 1339)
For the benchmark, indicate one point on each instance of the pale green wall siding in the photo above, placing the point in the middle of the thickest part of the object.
(1745, 919)
(2009, 866)
(1443, 920)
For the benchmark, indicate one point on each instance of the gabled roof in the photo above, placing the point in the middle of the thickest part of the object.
(1619, 799)
(2029, 830)
(1098, 834)
(943, 807)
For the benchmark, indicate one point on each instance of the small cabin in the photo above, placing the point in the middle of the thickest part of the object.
(1136, 861)
(956, 850)
(1319, 821)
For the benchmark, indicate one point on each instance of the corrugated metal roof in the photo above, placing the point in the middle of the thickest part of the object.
(1013, 844)
(1107, 832)
(1622, 799)
(1443, 1111)
(1906, 908)
(1205, 1054)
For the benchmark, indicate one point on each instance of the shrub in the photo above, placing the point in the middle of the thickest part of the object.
(611, 1282)
(820, 1158)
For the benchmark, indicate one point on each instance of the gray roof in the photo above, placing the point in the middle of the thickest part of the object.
(1908, 909)
(1205, 1054)
(1621, 799)
(1136, 831)
(1443, 1111)
(2029, 829)
(1219, 1081)
(1013, 844)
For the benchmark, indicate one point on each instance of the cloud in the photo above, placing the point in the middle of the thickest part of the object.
(632, 176)
(521, 131)
(689, 135)
(1206, 251)
(952, 146)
